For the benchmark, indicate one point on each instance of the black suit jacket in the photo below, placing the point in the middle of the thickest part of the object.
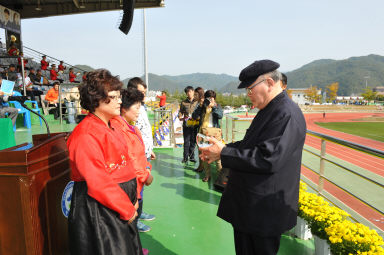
(263, 188)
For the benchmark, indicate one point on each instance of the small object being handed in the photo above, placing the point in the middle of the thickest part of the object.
(202, 141)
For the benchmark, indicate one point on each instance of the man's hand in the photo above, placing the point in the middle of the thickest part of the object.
(1, 93)
(149, 180)
(212, 153)
(153, 156)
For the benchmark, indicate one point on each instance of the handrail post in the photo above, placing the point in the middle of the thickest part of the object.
(233, 130)
(23, 76)
(322, 162)
(226, 128)
(60, 106)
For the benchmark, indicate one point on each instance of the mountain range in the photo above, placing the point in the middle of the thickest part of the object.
(352, 74)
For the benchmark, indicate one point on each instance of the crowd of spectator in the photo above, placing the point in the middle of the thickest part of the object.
(39, 79)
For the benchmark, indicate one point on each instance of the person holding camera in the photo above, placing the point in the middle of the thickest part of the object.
(210, 113)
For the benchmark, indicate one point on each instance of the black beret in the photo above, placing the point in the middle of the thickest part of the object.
(249, 74)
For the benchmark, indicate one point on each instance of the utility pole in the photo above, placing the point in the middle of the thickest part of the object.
(145, 52)
(366, 81)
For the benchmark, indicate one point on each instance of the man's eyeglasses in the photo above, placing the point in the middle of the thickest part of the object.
(115, 98)
(254, 85)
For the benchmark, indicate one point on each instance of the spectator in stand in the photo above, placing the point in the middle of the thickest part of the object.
(104, 197)
(52, 97)
(11, 73)
(84, 78)
(13, 51)
(44, 63)
(163, 98)
(19, 61)
(53, 74)
(145, 128)
(31, 91)
(61, 67)
(72, 76)
(10, 111)
(33, 77)
(41, 79)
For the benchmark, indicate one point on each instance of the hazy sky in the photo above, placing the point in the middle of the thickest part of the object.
(215, 36)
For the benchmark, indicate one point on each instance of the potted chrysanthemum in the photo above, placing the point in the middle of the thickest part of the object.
(347, 237)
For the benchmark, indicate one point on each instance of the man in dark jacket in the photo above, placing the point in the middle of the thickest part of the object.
(261, 197)
(187, 107)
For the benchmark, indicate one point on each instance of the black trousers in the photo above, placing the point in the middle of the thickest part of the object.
(189, 134)
(251, 244)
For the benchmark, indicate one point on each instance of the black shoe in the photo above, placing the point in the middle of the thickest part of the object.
(184, 161)
(192, 160)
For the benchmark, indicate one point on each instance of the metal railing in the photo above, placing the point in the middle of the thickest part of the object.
(163, 126)
(319, 188)
(320, 172)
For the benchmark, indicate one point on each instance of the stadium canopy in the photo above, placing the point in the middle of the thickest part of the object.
(46, 8)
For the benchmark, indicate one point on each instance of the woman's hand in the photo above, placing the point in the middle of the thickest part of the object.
(133, 218)
(135, 215)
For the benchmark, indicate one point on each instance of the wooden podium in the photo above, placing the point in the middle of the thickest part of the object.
(32, 182)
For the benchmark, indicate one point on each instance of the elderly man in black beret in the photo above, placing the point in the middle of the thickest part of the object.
(261, 197)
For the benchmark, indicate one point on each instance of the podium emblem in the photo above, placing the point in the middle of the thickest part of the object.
(66, 199)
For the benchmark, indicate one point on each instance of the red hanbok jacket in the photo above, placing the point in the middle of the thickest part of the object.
(136, 151)
(98, 157)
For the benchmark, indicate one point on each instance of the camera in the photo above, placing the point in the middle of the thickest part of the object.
(206, 102)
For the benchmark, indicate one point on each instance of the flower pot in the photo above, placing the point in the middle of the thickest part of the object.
(302, 229)
(321, 247)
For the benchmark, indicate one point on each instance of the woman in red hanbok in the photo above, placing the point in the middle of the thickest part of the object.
(104, 199)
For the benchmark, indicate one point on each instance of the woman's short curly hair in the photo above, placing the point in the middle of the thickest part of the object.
(129, 97)
(96, 87)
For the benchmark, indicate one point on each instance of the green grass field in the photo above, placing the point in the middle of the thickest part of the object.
(371, 130)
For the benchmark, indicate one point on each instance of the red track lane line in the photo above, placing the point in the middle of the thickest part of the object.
(370, 214)
(372, 165)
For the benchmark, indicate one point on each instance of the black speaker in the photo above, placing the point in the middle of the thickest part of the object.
(126, 21)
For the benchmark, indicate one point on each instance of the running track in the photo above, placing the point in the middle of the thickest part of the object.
(362, 160)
